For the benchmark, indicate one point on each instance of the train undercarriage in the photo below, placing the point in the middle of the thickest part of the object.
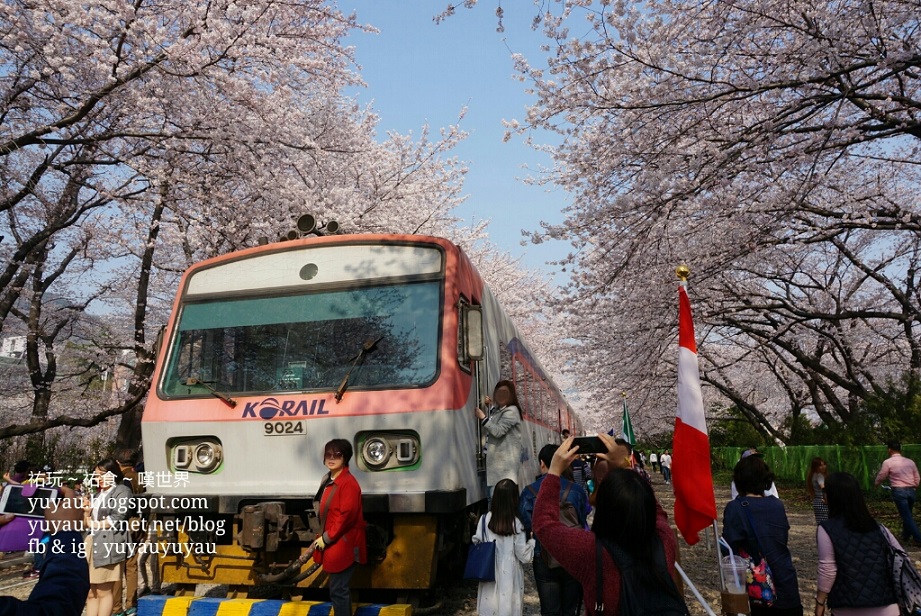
(267, 543)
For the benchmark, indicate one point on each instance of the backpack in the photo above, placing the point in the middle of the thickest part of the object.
(637, 596)
(906, 581)
(569, 516)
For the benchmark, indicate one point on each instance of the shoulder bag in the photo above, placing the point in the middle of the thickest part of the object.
(481, 558)
(758, 577)
(905, 580)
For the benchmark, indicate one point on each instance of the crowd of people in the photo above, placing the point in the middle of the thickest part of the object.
(854, 575)
(552, 529)
(109, 530)
(546, 523)
(590, 553)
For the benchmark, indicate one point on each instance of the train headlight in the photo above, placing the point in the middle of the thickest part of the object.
(205, 456)
(396, 450)
(202, 454)
(376, 452)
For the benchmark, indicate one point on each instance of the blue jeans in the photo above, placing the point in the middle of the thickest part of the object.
(339, 594)
(904, 499)
(667, 473)
(38, 558)
(560, 594)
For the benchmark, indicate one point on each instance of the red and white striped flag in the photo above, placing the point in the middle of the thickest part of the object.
(695, 504)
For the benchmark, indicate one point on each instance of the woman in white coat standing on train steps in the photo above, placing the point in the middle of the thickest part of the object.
(503, 434)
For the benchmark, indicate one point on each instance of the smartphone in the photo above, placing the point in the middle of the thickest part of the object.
(589, 444)
(27, 501)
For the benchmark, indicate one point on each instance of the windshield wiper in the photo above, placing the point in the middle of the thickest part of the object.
(368, 346)
(227, 399)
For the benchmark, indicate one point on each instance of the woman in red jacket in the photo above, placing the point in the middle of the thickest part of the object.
(627, 515)
(342, 542)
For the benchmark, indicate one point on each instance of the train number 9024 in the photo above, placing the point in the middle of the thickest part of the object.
(283, 428)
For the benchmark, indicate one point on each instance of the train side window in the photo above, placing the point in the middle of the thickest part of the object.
(469, 333)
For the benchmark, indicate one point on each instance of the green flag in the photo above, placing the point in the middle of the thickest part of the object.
(627, 430)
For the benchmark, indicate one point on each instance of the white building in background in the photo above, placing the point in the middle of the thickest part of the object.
(13, 347)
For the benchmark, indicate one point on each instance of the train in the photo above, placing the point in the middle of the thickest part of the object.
(389, 341)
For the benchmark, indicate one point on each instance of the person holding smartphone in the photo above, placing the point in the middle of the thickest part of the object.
(16, 534)
(64, 577)
(627, 515)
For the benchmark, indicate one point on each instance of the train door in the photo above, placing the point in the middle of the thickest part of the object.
(473, 355)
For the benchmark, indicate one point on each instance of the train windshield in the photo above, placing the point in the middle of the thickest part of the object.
(307, 342)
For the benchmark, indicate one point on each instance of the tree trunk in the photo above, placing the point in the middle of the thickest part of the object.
(129, 429)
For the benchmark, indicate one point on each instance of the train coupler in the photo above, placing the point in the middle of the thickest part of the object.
(265, 526)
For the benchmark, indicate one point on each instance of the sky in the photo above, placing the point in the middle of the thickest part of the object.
(418, 72)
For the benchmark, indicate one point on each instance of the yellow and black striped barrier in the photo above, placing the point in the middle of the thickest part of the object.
(154, 605)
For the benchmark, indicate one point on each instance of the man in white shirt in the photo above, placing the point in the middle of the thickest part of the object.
(666, 462)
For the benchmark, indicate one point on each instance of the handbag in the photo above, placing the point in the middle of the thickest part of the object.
(481, 558)
(905, 580)
(759, 580)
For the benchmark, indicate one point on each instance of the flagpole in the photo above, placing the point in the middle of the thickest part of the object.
(694, 591)
(691, 420)
(719, 557)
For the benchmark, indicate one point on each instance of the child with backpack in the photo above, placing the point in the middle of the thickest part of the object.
(505, 596)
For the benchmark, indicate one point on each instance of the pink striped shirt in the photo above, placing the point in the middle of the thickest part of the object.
(901, 471)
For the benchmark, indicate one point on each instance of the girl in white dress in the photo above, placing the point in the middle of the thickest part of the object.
(505, 596)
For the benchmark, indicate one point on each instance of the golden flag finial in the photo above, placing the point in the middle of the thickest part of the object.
(683, 272)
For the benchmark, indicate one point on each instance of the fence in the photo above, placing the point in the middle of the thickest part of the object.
(793, 462)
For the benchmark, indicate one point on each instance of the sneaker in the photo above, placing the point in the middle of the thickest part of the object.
(31, 575)
(131, 611)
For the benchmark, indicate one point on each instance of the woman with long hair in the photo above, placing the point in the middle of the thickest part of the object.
(106, 518)
(758, 525)
(504, 596)
(627, 517)
(502, 423)
(854, 575)
(815, 486)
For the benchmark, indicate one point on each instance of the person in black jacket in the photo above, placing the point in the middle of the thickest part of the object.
(64, 577)
(854, 568)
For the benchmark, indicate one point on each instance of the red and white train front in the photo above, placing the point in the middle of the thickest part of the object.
(273, 351)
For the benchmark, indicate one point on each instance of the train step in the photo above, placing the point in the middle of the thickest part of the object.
(160, 605)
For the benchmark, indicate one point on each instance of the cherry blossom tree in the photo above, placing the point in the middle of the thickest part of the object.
(141, 138)
(774, 147)
(161, 134)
